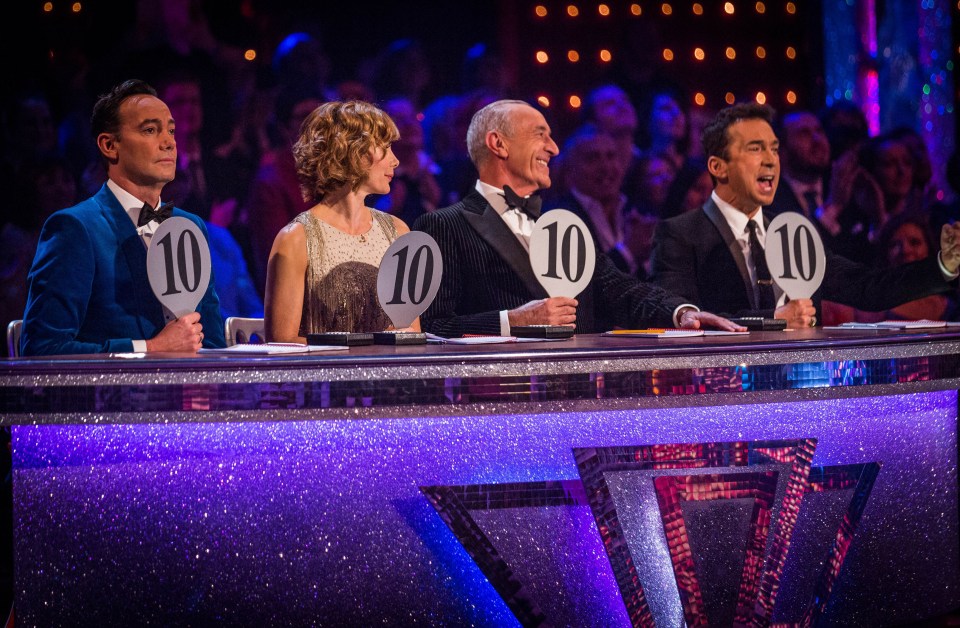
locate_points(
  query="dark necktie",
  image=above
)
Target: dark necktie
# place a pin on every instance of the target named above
(810, 198)
(766, 300)
(160, 214)
(530, 205)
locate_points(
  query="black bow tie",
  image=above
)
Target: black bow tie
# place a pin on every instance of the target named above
(160, 214)
(530, 205)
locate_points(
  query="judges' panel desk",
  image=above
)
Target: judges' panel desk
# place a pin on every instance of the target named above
(778, 477)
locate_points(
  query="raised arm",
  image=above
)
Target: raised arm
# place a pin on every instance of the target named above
(283, 298)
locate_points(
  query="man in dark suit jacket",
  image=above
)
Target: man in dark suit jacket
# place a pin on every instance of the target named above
(704, 255)
(488, 284)
(89, 291)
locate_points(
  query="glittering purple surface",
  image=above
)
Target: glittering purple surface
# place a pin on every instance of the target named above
(323, 522)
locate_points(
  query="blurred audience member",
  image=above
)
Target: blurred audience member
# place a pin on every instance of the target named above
(402, 70)
(29, 130)
(275, 197)
(664, 126)
(689, 190)
(593, 176)
(300, 62)
(653, 177)
(923, 191)
(44, 185)
(846, 127)
(215, 185)
(804, 162)
(608, 109)
(414, 189)
(903, 239)
(445, 126)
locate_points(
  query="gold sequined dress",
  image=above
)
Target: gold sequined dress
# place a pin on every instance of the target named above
(340, 288)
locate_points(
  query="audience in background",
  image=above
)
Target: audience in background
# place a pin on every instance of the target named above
(414, 189)
(592, 177)
(804, 162)
(689, 189)
(275, 196)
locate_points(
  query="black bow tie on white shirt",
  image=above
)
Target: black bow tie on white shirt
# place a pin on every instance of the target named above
(530, 205)
(159, 214)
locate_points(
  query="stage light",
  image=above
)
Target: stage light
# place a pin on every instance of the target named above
(544, 101)
(605, 55)
(635, 9)
(667, 54)
(250, 54)
(542, 57)
(540, 10)
(666, 9)
(698, 54)
(730, 98)
(572, 10)
(761, 8)
(731, 53)
(76, 7)
(604, 10)
(697, 8)
(761, 52)
(47, 7)
(573, 56)
(791, 52)
(700, 99)
(761, 98)
(792, 97)
(575, 101)
(791, 8)
(728, 8)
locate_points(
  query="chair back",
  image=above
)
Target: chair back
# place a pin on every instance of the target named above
(240, 330)
(13, 337)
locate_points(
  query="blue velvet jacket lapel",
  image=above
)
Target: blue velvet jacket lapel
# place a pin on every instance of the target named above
(134, 252)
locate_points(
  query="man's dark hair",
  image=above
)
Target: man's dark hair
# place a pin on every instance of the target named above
(106, 111)
(715, 138)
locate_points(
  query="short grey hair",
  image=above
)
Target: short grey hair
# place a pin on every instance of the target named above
(493, 117)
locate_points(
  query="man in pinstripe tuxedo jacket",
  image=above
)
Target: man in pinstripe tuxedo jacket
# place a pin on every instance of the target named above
(488, 284)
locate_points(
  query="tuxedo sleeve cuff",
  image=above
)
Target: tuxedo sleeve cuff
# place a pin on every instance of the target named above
(943, 269)
(680, 309)
(504, 323)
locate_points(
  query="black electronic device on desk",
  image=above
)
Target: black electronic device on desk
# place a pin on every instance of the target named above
(758, 323)
(399, 338)
(341, 338)
(542, 331)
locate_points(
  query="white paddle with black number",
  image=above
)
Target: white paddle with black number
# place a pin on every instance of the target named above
(795, 255)
(407, 284)
(178, 265)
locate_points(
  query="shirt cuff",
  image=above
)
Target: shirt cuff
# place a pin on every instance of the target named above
(943, 269)
(139, 346)
(680, 308)
(504, 323)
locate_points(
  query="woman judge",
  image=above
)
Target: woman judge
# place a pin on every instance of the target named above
(322, 269)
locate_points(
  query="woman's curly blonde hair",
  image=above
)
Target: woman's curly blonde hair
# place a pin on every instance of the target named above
(335, 143)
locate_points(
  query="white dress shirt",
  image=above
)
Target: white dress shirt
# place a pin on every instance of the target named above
(132, 205)
(737, 221)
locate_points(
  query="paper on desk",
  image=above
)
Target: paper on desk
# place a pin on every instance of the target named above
(918, 324)
(271, 348)
(470, 340)
(654, 333)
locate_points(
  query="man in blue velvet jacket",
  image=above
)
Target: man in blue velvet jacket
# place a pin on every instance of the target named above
(88, 286)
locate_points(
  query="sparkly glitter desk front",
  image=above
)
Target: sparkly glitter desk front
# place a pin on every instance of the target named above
(777, 477)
